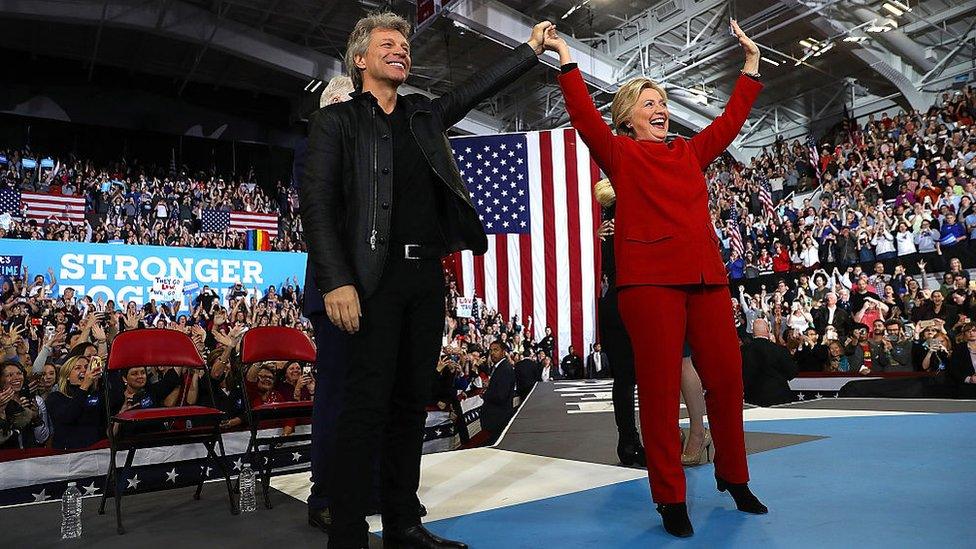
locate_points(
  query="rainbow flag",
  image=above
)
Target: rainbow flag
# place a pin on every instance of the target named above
(258, 239)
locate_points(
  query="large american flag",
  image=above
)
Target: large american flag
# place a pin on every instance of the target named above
(40, 206)
(534, 193)
(217, 221)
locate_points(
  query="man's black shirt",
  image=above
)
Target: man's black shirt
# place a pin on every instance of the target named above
(417, 196)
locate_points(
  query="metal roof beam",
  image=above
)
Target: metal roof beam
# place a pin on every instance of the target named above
(188, 23)
(896, 41)
(653, 23)
(933, 21)
(510, 28)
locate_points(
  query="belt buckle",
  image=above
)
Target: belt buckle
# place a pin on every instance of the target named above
(407, 251)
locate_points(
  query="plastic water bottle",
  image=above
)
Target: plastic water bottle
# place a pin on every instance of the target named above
(246, 480)
(71, 512)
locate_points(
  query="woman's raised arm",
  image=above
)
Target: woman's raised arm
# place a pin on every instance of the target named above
(584, 116)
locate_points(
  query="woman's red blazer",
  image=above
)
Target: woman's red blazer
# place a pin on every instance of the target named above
(664, 234)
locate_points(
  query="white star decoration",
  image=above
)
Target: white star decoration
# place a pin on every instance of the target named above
(133, 482)
(91, 489)
(240, 462)
(171, 475)
(42, 496)
(205, 471)
(493, 160)
(818, 395)
(801, 396)
(295, 456)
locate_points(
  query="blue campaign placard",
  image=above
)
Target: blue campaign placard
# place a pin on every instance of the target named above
(126, 273)
(10, 266)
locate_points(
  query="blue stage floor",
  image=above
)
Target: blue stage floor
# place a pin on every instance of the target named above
(884, 481)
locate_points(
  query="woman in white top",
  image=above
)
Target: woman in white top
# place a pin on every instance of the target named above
(904, 240)
(800, 319)
(810, 253)
(883, 241)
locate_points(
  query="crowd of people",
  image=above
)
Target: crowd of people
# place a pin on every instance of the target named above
(54, 343)
(888, 188)
(892, 194)
(136, 204)
(842, 278)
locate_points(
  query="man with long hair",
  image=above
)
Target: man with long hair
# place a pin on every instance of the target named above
(377, 225)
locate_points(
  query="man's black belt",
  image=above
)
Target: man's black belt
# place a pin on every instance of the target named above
(405, 250)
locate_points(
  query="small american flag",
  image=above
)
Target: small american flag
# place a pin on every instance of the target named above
(735, 236)
(216, 221)
(765, 197)
(534, 193)
(814, 155)
(41, 207)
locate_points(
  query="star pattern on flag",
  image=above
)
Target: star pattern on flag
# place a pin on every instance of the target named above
(238, 464)
(133, 483)
(818, 396)
(171, 475)
(215, 221)
(91, 489)
(9, 201)
(497, 177)
(295, 456)
(41, 496)
(801, 396)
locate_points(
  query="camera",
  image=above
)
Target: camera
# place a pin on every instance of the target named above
(307, 370)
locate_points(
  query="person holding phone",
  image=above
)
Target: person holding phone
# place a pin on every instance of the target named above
(23, 416)
(297, 383)
(76, 409)
(931, 351)
(137, 391)
(673, 286)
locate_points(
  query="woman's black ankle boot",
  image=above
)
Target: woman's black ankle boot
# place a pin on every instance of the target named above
(745, 500)
(675, 519)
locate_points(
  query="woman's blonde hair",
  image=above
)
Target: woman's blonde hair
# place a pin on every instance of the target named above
(604, 193)
(359, 38)
(625, 99)
(64, 372)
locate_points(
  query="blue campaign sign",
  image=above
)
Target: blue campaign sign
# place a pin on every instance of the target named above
(123, 272)
(10, 265)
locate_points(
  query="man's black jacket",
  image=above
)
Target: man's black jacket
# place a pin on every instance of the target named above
(346, 191)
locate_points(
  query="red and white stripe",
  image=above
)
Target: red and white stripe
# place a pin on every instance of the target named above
(551, 273)
(245, 221)
(41, 207)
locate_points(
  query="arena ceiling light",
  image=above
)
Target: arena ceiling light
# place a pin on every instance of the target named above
(896, 8)
(772, 62)
(313, 85)
(824, 49)
(573, 9)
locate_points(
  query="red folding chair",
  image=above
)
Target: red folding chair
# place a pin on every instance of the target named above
(273, 343)
(155, 347)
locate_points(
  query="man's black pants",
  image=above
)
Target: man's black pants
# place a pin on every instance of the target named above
(616, 343)
(391, 364)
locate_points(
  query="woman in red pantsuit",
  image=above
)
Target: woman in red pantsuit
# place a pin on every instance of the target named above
(672, 281)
